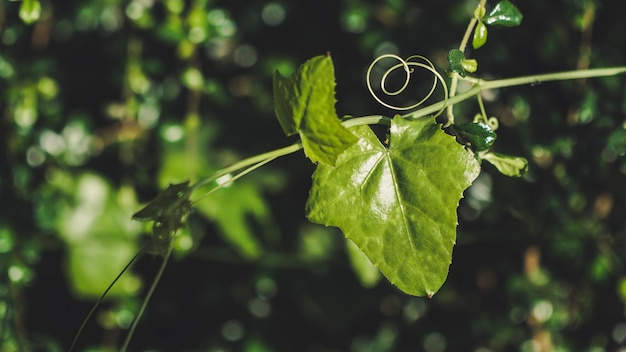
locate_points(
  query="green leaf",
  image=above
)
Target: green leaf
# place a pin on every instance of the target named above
(305, 104)
(470, 65)
(366, 272)
(504, 14)
(30, 11)
(398, 204)
(168, 211)
(235, 209)
(455, 60)
(480, 35)
(92, 219)
(512, 166)
(477, 134)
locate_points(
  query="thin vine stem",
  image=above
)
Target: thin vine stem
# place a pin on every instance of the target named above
(248, 162)
(481, 85)
(97, 304)
(153, 286)
(236, 177)
(254, 162)
(481, 106)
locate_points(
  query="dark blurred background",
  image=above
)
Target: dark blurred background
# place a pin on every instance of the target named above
(105, 102)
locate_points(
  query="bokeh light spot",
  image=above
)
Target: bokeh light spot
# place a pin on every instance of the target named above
(35, 157)
(6, 240)
(245, 55)
(52, 142)
(619, 333)
(435, 342)
(542, 311)
(273, 14)
(232, 330)
(260, 308)
(265, 288)
(414, 309)
(173, 133)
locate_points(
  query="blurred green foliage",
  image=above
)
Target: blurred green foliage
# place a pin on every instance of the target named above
(106, 102)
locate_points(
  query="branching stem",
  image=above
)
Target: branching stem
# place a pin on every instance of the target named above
(455, 76)
(480, 85)
(260, 158)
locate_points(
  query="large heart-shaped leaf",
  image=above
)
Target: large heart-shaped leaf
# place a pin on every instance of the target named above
(398, 204)
(305, 104)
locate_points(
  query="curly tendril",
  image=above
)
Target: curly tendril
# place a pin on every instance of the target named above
(409, 67)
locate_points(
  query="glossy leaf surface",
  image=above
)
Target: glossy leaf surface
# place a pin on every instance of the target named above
(305, 104)
(479, 135)
(480, 35)
(504, 14)
(398, 204)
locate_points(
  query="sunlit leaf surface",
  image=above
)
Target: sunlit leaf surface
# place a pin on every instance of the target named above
(398, 204)
(305, 104)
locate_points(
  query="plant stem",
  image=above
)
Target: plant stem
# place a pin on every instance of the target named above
(153, 286)
(481, 85)
(93, 309)
(367, 120)
(462, 46)
(236, 177)
(260, 158)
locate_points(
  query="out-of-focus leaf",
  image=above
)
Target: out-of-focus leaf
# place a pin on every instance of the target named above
(513, 166)
(100, 236)
(30, 11)
(365, 271)
(239, 210)
(398, 204)
(233, 208)
(504, 14)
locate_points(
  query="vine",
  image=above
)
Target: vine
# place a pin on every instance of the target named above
(396, 200)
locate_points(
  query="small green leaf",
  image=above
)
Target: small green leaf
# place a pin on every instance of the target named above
(480, 35)
(512, 166)
(470, 65)
(479, 12)
(455, 59)
(168, 211)
(305, 104)
(477, 134)
(504, 14)
(30, 11)
(398, 204)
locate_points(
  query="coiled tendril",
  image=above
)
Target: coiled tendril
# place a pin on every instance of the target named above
(408, 65)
